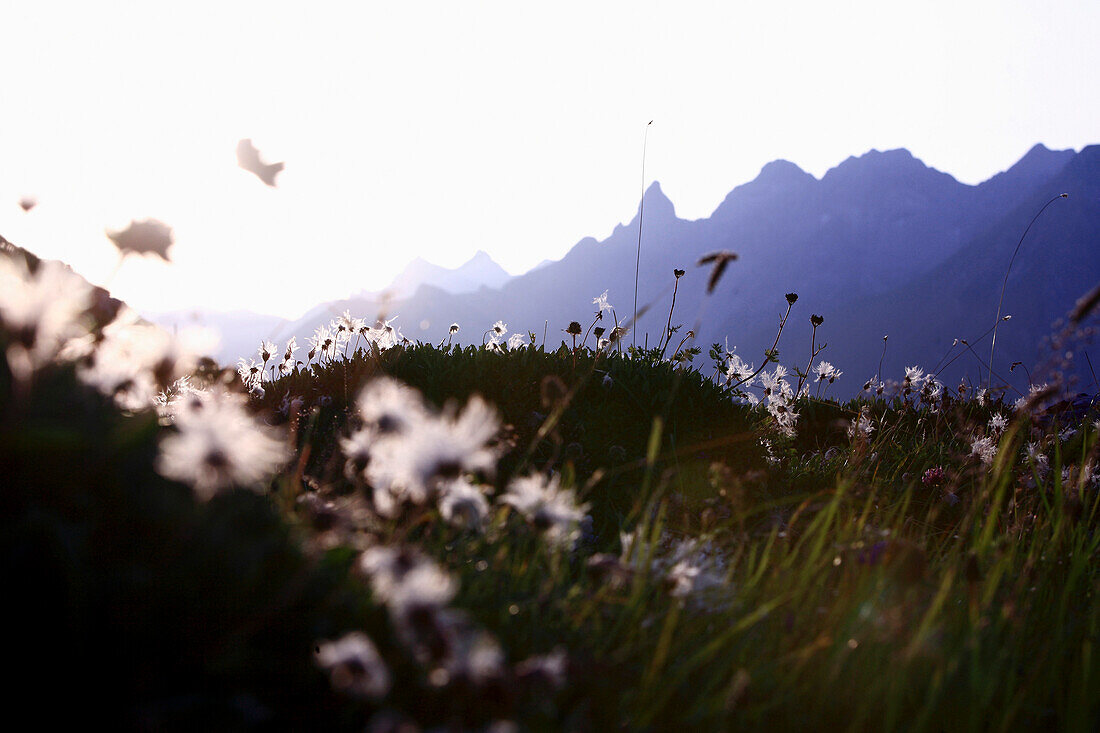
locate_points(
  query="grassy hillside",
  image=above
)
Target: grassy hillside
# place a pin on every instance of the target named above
(383, 533)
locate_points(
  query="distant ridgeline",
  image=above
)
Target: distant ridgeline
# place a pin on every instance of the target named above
(880, 245)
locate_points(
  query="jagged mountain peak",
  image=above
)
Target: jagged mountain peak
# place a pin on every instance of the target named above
(657, 203)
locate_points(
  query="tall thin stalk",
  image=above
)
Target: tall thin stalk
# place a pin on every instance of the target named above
(638, 258)
(1000, 302)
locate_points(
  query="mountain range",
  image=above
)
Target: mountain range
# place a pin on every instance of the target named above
(881, 245)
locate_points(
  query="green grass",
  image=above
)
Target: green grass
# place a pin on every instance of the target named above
(854, 596)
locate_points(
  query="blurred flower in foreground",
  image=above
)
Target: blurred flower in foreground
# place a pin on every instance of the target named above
(27, 203)
(136, 360)
(42, 311)
(248, 158)
(407, 581)
(355, 666)
(547, 506)
(218, 444)
(144, 237)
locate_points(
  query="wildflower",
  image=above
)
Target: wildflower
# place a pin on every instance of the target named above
(1038, 458)
(322, 343)
(354, 666)
(933, 477)
(42, 311)
(266, 350)
(406, 581)
(144, 237)
(463, 504)
(515, 341)
(785, 417)
(248, 158)
(136, 360)
(287, 364)
(500, 328)
(417, 453)
(574, 328)
(170, 400)
(914, 375)
(932, 388)
(826, 372)
(816, 320)
(738, 371)
(345, 326)
(388, 406)
(861, 424)
(607, 381)
(775, 385)
(454, 329)
(385, 336)
(250, 372)
(550, 668)
(472, 655)
(547, 506)
(691, 569)
(357, 450)
(998, 423)
(792, 298)
(218, 444)
(984, 448)
(601, 303)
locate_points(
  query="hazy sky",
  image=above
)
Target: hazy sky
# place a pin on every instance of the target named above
(437, 129)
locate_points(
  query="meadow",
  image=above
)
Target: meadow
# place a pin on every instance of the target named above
(363, 532)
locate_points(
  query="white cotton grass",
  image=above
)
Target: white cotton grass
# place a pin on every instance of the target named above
(738, 372)
(407, 453)
(136, 360)
(175, 397)
(548, 507)
(42, 310)
(984, 448)
(354, 666)
(462, 503)
(861, 426)
(693, 570)
(826, 372)
(217, 444)
(406, 581)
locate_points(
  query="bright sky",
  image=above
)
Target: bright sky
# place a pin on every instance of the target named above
(437, 129)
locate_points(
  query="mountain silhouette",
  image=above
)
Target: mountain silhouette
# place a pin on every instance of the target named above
(880, 244)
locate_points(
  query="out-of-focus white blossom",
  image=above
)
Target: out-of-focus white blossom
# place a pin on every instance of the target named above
(41, 311)
(354, 666)
(548, 507)
(218, 444)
